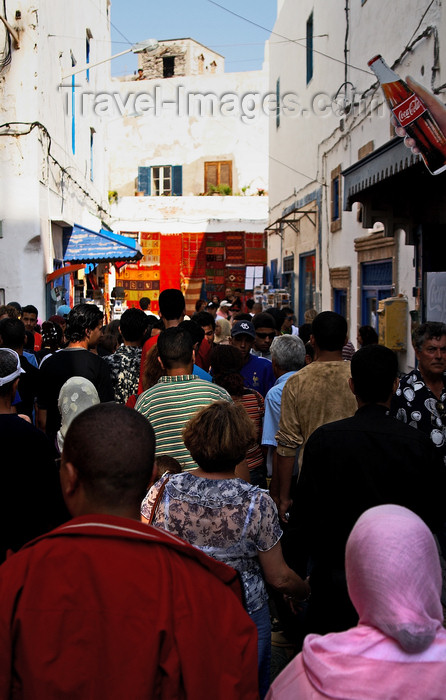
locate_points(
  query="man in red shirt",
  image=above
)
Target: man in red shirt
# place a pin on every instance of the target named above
(107, 607)
(29, 318)
(172, 311)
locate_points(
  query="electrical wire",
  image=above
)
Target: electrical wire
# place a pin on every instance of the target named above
(421, 20)
(292, 41)
(43, 129)
(108, 18)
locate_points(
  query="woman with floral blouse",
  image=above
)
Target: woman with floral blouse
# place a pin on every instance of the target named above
(225, 516)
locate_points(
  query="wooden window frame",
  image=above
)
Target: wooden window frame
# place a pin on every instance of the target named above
(217, 163)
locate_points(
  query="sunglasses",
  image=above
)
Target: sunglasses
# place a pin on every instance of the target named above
(262, 336)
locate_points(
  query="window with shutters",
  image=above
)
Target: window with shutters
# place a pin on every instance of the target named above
(309, 48)
(161, 180)
(336, 202)
(217, 176)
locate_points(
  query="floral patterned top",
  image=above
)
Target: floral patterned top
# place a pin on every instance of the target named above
(124, 367)
(415, 404)
(228, 519)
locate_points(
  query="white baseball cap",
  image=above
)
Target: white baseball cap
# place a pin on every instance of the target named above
(18, 370)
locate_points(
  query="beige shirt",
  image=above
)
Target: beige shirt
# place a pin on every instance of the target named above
(319, 393)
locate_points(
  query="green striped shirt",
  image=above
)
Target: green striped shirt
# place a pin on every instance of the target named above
(170, 404)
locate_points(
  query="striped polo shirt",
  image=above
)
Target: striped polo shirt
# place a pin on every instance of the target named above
(170, 404)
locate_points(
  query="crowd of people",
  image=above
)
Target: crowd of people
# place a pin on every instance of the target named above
(174, 483)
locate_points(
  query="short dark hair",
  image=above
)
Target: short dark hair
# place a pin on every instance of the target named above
(15, 305)
(29, 341)
(114, 466)
(242, 316)
(144, 303)
(329, 330)
(309, 350)
(374, 369)
(368, 335)
(172, 304)
(277, 314)
(82, 317)
(199, 304)
(195, 331)
(133, 324)
(226, 364)
(264, 320)
(427, 331)
(12, 332)
(30, 309)
(305, 332)
(250, 303)
(166, 463)
(204, 318)
(175, 347)
(219, 435)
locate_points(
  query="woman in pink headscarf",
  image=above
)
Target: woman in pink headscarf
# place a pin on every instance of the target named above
(398, 649)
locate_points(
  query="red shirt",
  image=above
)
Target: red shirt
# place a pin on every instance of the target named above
(37, 341)
(145, 349)
(107, 607)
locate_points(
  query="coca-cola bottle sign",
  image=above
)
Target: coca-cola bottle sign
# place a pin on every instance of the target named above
(409, 110)
(412, 114)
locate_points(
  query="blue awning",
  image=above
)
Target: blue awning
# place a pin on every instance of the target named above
(85, 246)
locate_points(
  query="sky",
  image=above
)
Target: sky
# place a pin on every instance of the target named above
(241, 43)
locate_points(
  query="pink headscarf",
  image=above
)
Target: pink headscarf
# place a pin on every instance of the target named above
(398, 649)
(394, 576)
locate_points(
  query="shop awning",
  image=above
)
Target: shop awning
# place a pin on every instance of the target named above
(61, 271)
(82, 245)
(292, 217)
(383, 163)
(394, 188)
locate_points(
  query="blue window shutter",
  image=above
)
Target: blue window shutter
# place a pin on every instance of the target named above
(177, 180)
(309, 48)
(144, 180)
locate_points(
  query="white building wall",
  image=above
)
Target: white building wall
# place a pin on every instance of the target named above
(187, 121)
(35, 190)
(318, 137)
(172, 215)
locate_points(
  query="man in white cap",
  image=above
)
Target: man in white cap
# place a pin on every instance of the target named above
(32, 500)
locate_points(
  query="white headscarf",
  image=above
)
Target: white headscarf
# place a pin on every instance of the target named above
(225, 330)
(75, 396)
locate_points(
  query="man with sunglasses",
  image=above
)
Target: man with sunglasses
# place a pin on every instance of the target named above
(265, 327)
(420, 399)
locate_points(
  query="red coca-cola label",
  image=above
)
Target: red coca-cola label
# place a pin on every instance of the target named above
(409, 110)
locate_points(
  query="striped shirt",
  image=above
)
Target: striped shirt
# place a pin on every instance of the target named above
(254, 406)
(170, 404)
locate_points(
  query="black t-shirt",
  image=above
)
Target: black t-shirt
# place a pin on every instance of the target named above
(28, 384)
(31, 500)
(57, 369)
